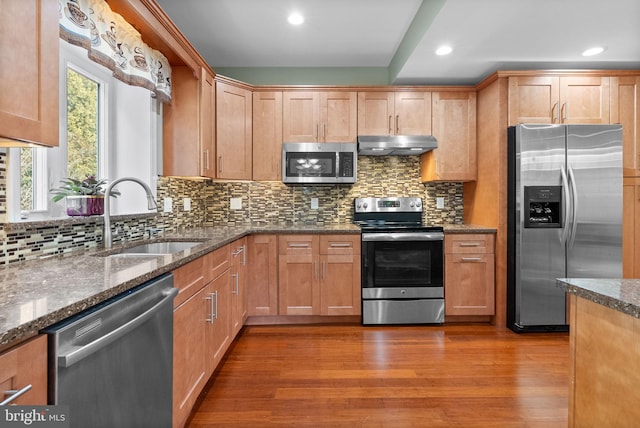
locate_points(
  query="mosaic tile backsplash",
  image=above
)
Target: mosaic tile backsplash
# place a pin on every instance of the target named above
(262, 203)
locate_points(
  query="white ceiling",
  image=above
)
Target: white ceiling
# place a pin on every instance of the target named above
(486, 35)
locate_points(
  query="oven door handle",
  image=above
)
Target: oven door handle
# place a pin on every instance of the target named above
(403, 236)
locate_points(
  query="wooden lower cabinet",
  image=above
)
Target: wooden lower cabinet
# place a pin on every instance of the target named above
(262, 275)
(469, 284)
(23, 365)
(631, 227)
(319, 274)
(238, 285)
(201, 327)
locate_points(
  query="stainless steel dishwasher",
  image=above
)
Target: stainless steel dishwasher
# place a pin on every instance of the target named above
(113, 364)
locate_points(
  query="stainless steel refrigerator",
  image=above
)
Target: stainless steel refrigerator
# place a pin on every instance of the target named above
(565, 216)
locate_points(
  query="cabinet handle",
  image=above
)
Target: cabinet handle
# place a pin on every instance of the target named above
(213, 306)
(471, 259)
(469, 244)
(13, 394)
(390, 125)
(220, 164)
(317, 132)
(244, 256)
(296, 245)
(206, 159)
(315, 269)
(565, 111)
(324, 269)
(340, 244)
(557, 113)
(397, 124)
(235, 277)
(324, 130)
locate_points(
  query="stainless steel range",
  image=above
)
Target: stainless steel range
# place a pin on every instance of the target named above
(402, 262)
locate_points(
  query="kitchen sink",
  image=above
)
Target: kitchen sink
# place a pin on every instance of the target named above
(152, 249)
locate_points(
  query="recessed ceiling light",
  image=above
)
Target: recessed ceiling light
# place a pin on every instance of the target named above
(444, 50)
(594, 51)
(295, 19)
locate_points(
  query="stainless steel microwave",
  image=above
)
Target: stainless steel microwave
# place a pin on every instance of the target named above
(319, 163)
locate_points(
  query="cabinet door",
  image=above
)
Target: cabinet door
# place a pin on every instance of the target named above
(190, 367)
(218, 319)
(300, 117)
(207, 125)
(454, 126)
(181, 153)
(340, 275)
(233, 132)
(262, 275)
(29, 76)
(625, 109)
(338, 117)
(631, 228)
(267, 136)
(470, 284)
(412, 113)
(584, 99)
(376, 113)
(298, 272)
(534, 99)
(238, 285)
(24, 365)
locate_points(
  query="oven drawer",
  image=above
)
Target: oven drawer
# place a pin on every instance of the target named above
(406, 311)
(469, 243)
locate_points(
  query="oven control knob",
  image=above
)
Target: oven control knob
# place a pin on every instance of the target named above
(418, 204)
(365, 205)
(403, 292)
(412, 204)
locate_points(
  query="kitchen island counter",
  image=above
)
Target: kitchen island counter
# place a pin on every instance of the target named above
(604, 351)
(37, 293)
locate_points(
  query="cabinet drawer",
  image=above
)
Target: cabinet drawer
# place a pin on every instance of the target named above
(216, 262)
(469, 243)
(24, 365)
(188, 279)
(339, 244)
(297, 244)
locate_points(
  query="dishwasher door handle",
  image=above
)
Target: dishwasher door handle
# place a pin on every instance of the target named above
(83, 352)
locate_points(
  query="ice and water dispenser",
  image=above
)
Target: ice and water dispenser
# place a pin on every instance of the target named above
(543, 206)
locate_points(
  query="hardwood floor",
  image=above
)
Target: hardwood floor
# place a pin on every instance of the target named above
(423, 376)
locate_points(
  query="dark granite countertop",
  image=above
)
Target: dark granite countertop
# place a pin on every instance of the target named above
(467, 228)
(619, 294)
(38, 293)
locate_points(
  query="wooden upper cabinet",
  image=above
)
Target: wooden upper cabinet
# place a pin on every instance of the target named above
(267, 136)
(394, 113)
(625, 109)
(234, 146)
(412, 113)
(558, 99)
(207, 125)
(189, 125)
(319, 117)
(454, 127)
(29, 72)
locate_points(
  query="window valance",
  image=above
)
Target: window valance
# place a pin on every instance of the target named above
(114, 43)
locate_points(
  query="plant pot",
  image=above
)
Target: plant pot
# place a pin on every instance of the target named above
(85, 205)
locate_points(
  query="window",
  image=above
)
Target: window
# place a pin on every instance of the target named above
(107, 129)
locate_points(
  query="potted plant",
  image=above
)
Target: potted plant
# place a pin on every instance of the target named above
(83, 197)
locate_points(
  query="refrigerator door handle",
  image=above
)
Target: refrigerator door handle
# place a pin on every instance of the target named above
(565, 189)
(574, 207)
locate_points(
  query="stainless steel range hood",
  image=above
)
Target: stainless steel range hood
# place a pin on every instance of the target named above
(395, 145)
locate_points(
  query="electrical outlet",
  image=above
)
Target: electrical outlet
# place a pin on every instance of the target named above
(314, 203)
(235, 203)
(440, 203)
(168, 204)
(186, 202)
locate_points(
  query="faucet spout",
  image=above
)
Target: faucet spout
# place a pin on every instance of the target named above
(151, 203)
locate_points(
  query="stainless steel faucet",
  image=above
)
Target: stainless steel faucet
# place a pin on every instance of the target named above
(152, 205)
